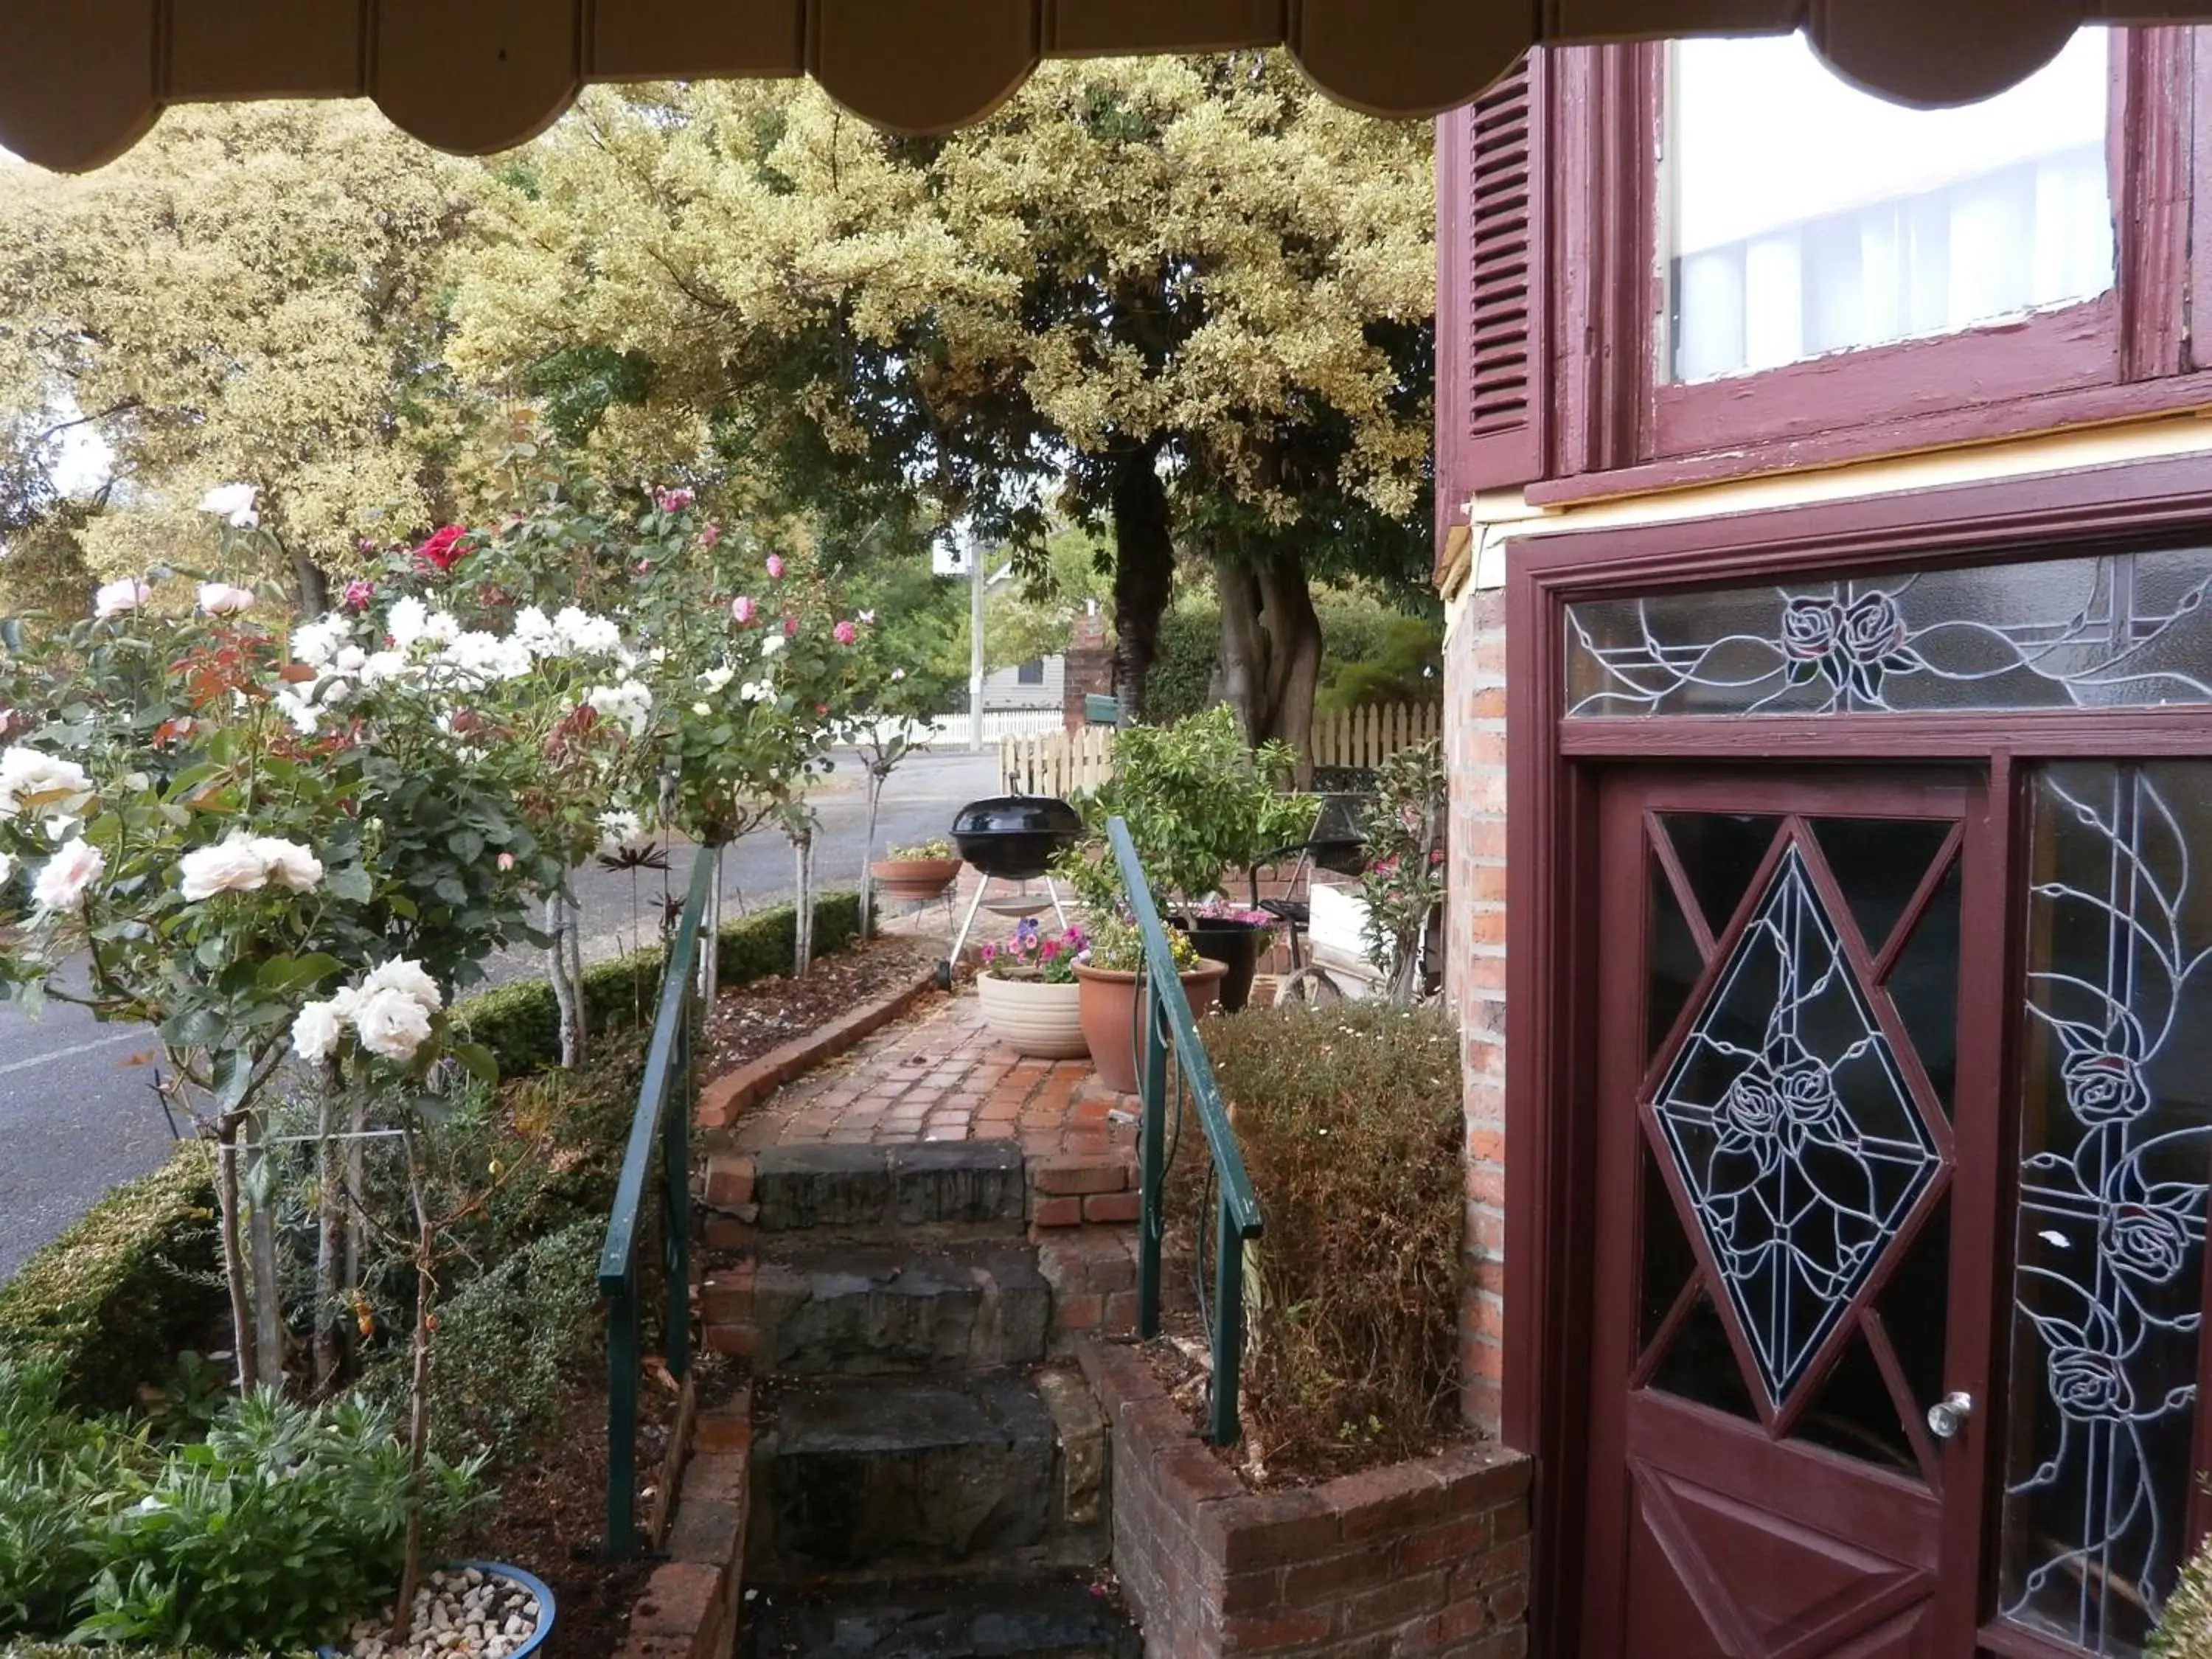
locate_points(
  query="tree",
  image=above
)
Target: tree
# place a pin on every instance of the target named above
(1155, 288)
(254, 294)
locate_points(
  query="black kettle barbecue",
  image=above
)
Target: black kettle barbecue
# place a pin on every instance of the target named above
(1011, 838)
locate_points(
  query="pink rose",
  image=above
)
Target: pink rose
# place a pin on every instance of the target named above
(645, 566)
(743, 610)
(358, 594)
(506, 860)
(710, 535)
(443, 550)
(844, 632)
(775, 566)
(673, 501)
(790, 624)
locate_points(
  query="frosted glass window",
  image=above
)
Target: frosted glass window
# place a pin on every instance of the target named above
(1803, 216)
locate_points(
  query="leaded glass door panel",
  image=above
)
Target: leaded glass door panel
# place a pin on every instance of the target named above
(1796, 1071)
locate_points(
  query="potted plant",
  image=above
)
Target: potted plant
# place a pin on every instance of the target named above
(1235, 937)
(1027, 986)
(919, 871)
(1112, 1002)
(1199, 805)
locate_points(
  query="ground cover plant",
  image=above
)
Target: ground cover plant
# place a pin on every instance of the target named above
(1349, 1119)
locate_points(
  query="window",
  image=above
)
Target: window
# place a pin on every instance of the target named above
(1802, 217)
(1030, 673)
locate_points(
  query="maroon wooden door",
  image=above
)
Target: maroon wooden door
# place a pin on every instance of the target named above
(1798, 1076)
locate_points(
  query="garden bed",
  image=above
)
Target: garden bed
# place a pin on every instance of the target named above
(760, 1016)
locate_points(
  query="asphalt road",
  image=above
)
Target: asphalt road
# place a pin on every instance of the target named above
(76, 1116)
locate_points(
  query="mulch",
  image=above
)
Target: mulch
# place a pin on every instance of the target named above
(763, 1014)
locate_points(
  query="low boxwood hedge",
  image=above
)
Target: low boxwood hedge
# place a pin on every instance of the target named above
(134, 1277)
(137, 1276)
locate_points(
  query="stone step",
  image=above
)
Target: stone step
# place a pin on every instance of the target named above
(1061, 1617)
(892, 1475)
(857, 1310)
(848, 1191)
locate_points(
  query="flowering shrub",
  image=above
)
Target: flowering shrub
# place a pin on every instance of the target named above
(1032, 953)
(1403, 883)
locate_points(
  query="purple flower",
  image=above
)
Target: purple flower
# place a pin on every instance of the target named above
(358, 592)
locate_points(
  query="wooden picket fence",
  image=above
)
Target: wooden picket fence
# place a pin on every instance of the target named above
(1061, 762)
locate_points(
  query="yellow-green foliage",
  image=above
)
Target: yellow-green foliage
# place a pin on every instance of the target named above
(2185, 1630)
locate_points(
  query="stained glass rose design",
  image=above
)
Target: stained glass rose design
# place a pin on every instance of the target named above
(1811, 628)
(2089, 1386)
(1751, 1109)
(1871, 630)
(2103, 1088)
(1807, 1094)
(2145, 1241)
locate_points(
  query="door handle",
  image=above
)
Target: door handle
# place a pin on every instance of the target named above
(1949, 1415)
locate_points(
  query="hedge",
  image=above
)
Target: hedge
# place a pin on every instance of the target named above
(135, 1276)
(520, 1022)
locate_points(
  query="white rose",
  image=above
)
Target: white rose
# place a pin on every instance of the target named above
(51, 786)
(407, 620)
(441, 628)
(350, 660)
(317, 1030)
(114, 598)
(617, 831)
(222, 599)
(288, 864)
(233, 502)
(61, 885)
(393, 1025)
(771, 645)
(7, 869)
(314, 643)
(231, 866)
(715, 678)
(409, 979)
(702, 709)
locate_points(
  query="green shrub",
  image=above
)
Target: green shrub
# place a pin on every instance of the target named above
(1349, 1119)
(1180, 681)
(510, 1343)
(133, 1277)
(2184, 1630)
(520, 1022)
(284, 1522)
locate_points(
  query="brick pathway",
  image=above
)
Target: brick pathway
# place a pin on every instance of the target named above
(939, 1076)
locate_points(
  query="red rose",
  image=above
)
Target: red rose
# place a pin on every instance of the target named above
(443, 550)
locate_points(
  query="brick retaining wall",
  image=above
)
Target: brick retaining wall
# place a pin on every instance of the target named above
(1425, 1558)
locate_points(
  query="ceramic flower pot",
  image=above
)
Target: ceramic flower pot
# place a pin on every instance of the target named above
(1110, 1015)
(1237, 946)
(914, 878)
(1032, 1016)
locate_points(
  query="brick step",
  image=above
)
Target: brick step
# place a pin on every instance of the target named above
(870, 1478)
(1044, 1617)
(869, 1310)
(852, 1191)
(1068, 1190)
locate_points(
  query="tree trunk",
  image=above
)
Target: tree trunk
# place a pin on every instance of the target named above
(234, 1252)
(565, 994)
(710, 925)
(268, 1279)
(330, 1237)
(312, 587)
(802, 921)
(876, 781)
(418, 1396)
(1143, 574)
(1271, 646)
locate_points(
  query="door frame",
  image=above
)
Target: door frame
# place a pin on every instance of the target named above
(1551, 766)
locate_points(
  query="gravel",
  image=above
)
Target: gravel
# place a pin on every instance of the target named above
(459, 1611)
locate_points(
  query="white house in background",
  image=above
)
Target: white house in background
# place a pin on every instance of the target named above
(1035, 683)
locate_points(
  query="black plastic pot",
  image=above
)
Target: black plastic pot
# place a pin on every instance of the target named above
(1236, 945)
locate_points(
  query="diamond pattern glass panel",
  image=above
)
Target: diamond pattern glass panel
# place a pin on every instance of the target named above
(1793, 1133)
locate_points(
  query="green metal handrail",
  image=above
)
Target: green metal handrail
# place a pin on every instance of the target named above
(1236, 1218)
(662, 1125)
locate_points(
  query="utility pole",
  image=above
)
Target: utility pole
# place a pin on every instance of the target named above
(975, 650)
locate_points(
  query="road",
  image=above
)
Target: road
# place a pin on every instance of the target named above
(76, 1116)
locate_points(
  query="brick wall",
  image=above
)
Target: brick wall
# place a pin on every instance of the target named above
(1425, 1558)
(1475, 973)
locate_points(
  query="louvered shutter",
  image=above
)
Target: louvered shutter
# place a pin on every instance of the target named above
(1491, 303)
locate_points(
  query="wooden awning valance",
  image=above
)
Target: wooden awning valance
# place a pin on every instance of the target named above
(82, 79)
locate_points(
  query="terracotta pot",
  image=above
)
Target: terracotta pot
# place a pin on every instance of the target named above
(1109, 1017)
(914, 878)
(1033, 1018)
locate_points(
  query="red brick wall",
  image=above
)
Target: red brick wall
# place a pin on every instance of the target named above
(1425, 1558)
(1475, 973)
